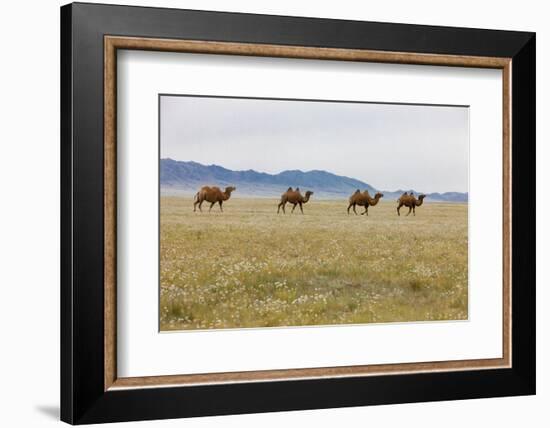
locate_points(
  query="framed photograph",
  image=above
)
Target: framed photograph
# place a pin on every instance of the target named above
(265, 213)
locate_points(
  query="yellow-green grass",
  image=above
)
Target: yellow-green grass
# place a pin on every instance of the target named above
(249, 267)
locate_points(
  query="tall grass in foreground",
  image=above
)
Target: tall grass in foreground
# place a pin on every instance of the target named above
(249, 267)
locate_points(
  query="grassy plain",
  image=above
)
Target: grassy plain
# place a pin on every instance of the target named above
(249, 267)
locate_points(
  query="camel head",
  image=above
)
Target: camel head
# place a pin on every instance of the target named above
(230, 189)
(378, 195)
(420, 200)
(308, 194)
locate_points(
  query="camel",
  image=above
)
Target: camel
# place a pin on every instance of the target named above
(363, 200)
(371, 202)
(293, 197)
(409, 201)
(212, 195)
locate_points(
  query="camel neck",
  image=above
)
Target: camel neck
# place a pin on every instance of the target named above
(374, 201)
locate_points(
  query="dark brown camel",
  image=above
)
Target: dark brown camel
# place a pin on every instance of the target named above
(409, 201)
(212, 195)
(363, 200)
(293, 197)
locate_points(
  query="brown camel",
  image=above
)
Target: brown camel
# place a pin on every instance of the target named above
(212, 195)
(371, 202)
(363, 200)
(409, 201)
(293, 197)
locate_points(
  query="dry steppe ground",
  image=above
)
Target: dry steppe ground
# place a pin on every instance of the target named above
(249, 267)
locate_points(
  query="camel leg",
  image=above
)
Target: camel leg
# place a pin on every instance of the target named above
(414, 211)
(200, 206)
(195, 202)
(354, 209)
(398, 208)
(366, 210)
(410, 208)
(301, 208)
(221, 202)
(349, 206)
(293, 207)
(211, 205)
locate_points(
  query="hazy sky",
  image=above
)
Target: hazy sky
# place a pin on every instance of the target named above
(386, 145)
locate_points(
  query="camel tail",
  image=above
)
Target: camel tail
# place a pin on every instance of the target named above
(196, 198)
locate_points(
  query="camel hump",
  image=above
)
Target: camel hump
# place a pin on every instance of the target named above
(357, 191)
(289, 189)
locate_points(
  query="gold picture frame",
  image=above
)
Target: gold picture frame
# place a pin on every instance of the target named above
(114, 43)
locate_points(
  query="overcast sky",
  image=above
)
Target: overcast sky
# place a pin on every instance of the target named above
(386, 145)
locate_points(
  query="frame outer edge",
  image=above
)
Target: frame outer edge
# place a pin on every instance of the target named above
(524, 219)
(83, 397)
(66, 226)
(298, 30)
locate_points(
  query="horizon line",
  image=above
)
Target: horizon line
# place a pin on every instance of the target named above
(312, 170)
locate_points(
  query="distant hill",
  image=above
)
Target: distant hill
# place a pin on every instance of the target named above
(184, 177)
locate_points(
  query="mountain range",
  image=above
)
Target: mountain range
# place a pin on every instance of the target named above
(185, 177)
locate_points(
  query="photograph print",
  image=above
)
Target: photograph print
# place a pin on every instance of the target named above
(289, 212)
